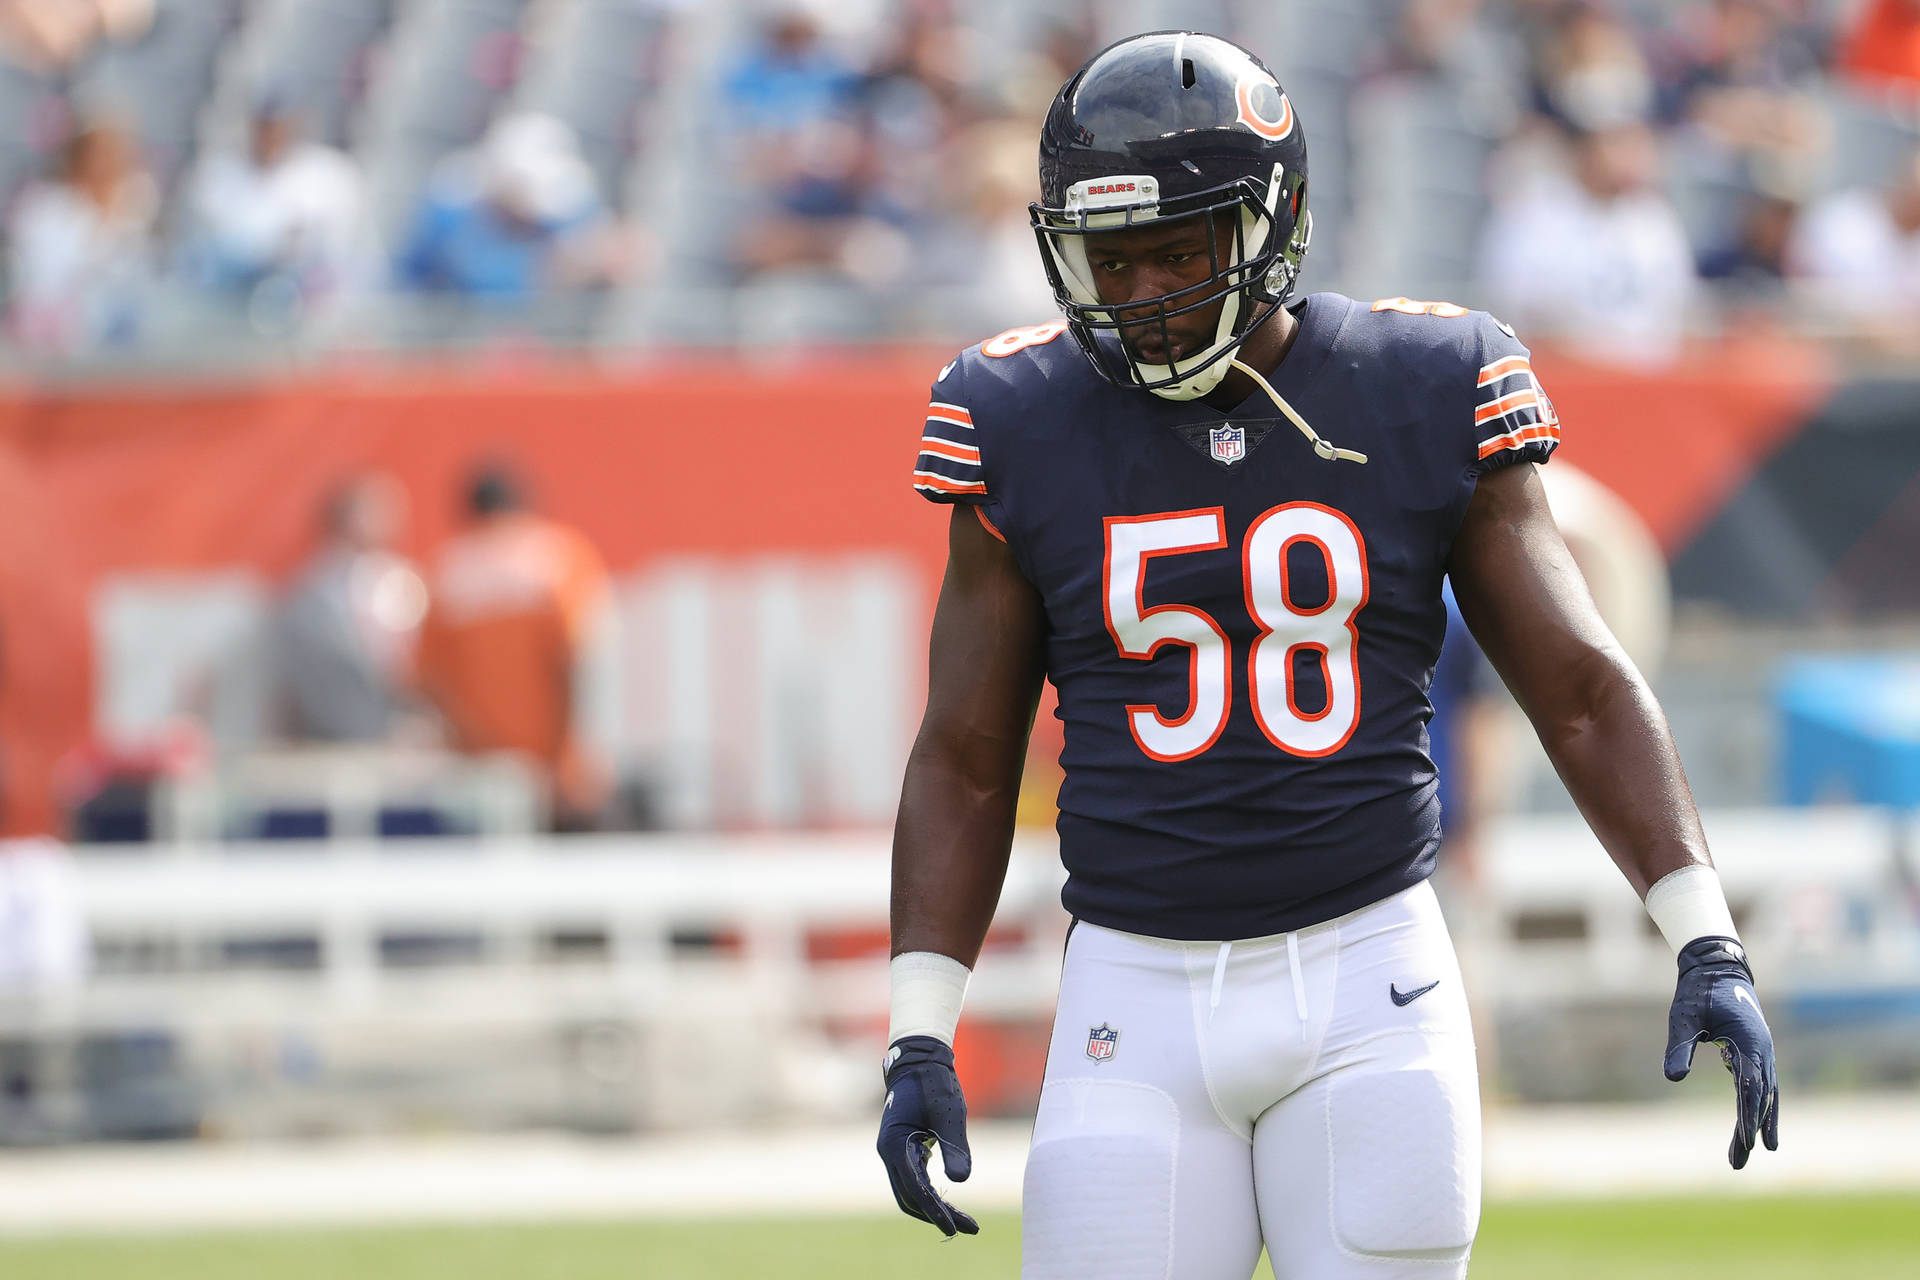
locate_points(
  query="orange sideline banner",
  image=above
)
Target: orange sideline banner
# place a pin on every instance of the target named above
(701, 456)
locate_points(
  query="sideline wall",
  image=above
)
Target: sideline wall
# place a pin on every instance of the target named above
(704, 458)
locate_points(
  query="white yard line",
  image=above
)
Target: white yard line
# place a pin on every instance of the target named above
(1870, 1143)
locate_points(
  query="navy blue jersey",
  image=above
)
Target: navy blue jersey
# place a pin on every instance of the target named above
(1242, 632)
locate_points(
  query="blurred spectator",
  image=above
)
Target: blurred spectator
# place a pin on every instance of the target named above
(1026, 79)
(346, 631)
(285, 210)
(1429, 35)
(853, 155)
(58, 33)
(1751, 266)
(809, 159)
(1492, 53)
(1883, 49)
(819, 210)
(1449, 36)
(45, 952)
(43, 932)
(1859, 252)
(914, 106)
(80, 260)
(518, 605)
(789, 80)
(1590, 72)
(986, 249)
(1600, 257)
(517, 216)
(1742, 82)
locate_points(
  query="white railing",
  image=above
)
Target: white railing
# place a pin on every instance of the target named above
(1827, 890)
(1824, 897)
(631, 894)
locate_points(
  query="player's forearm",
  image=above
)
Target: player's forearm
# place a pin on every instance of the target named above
(950, 849)
(1611, 745)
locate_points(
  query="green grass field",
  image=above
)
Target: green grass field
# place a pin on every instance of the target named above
(1805, 1238)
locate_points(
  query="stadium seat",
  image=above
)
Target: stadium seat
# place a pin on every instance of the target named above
(445, 69)
(318, 53)
(1419, 160)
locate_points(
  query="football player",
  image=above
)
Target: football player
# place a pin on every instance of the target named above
(1219, 521)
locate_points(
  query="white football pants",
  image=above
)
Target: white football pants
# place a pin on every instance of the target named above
(1302, 1090)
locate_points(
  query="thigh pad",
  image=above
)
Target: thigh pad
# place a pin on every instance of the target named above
(1405, 1160)
(1101, 1169)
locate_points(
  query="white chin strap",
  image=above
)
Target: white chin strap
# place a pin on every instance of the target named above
(1321, 445)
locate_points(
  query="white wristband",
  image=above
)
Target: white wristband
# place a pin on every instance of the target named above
(1688, 904)
(927, 990)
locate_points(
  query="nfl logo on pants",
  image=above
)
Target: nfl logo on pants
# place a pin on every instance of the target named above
(1100, 1042)
(1228, 443)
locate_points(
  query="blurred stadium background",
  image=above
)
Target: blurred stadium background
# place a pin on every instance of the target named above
(462, 608)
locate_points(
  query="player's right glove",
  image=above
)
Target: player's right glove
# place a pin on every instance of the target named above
(925, 1106)
(1715, 1001)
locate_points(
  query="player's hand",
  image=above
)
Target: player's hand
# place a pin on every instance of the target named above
(924, 1106)
(1715, 1001)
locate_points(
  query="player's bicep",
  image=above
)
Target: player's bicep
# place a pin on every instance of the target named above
(987, 658)
(1521, 593)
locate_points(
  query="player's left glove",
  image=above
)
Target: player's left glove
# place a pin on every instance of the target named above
(924, 1106)
(1715, 1001)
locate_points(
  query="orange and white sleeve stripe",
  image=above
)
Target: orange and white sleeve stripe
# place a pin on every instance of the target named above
(1514, 412)
(948, 466)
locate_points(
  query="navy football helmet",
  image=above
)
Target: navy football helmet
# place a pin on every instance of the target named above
(1173, 124)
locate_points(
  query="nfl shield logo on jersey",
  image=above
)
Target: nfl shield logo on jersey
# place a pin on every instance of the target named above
(1100, 1042)
(1229, 443)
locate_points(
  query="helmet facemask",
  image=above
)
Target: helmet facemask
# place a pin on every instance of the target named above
(1253, 266)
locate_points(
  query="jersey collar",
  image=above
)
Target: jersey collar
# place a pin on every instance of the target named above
(1321, 317)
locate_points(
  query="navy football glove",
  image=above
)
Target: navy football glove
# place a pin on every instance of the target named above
(1715, 1001)
(924, 1106)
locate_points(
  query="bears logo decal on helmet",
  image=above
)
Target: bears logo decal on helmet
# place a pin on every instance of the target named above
(1251, 94)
